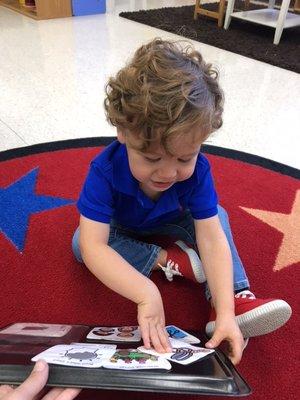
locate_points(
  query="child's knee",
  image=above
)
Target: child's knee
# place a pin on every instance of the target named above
(75, 246)
(222, 212)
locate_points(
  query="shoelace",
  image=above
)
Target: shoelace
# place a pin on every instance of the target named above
(245, 294)
(170, 270)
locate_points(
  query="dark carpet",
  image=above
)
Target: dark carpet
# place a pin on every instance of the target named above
(244, 38)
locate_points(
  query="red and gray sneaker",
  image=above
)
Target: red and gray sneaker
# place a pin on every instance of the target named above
(254, 316)
(183, 261)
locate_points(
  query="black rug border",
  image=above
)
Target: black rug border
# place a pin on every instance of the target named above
(106, 140)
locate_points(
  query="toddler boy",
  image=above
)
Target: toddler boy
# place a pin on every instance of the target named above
(154, 180)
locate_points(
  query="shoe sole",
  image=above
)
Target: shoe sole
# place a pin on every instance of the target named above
(246, 341)
(195, 261)
(260, 321)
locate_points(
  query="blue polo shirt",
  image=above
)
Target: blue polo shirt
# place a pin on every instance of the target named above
(111, 191)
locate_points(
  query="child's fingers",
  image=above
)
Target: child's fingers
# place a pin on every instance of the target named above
(144, 327)
(162, 344)
(164, 339)
(155, 339)
(236, 350)
(155, 336)
(214, 341)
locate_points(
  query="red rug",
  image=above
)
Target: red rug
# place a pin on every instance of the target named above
(41, 282)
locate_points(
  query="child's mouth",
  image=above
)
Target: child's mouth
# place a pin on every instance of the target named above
(162, 185)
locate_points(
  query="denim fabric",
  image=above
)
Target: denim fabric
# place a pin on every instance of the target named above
(142, 256)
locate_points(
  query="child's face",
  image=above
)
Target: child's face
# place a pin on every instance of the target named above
(155, 169)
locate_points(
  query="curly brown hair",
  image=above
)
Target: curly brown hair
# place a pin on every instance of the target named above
(165, 90)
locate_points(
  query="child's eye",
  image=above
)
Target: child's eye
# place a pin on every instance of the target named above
(184, 161)
(153, 160)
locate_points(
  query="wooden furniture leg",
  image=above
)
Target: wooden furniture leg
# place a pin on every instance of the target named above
(247, 3)
(222, 6)
(219, 15)
(197, 8)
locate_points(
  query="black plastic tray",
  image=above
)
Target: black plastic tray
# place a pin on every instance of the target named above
(213, 375)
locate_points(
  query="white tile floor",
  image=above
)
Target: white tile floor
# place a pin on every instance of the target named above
(52, 75)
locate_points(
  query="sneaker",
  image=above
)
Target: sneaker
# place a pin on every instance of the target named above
(246, 341)
(183, 261)
(254, 316)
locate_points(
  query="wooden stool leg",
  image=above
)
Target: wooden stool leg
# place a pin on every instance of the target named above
(221, 13)
(197, 8)
(247, 2)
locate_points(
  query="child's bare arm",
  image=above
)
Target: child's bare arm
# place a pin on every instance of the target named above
(117, 274)
(216, 258)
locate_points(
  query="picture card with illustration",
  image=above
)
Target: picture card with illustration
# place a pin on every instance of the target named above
(133, 359)
(183, 353)
(178, 333)
(36, 329)
(77, 355)
(115, 334)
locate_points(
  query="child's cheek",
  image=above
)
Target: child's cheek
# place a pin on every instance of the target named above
(143, 173)
(187, 173)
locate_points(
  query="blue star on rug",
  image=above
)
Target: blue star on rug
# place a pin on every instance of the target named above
(18, 201)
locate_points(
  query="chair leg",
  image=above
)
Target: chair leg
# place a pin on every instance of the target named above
(229, 10)
(247, 3)
(281, 19)
(221, 13)
(197, 6)
(271, 4)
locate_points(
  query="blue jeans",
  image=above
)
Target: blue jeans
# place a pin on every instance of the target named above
(142, 256)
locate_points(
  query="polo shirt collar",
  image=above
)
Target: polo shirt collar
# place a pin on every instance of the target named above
(123, 180)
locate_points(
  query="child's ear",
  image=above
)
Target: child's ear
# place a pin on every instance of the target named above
(121, 136)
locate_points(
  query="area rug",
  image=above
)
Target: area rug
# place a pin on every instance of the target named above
(41, 281)
(244, 38)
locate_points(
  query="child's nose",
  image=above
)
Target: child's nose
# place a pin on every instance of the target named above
(167, 173)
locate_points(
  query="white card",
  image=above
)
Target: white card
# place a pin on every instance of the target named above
(77, 355)
(183, 353)
(35, 329)
(179, 334)
(132, 359)
(115, 334)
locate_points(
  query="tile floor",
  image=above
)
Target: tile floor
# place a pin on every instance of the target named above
(52, 75)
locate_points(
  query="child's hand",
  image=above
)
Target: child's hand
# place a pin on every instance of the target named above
(227, 329)
(151, 319)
